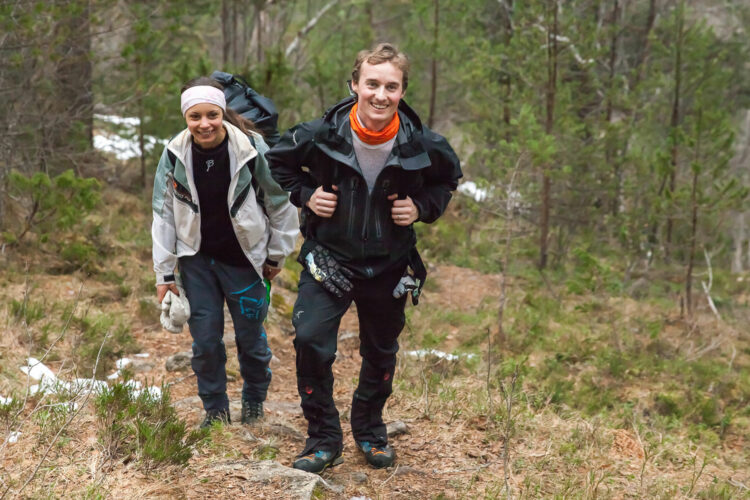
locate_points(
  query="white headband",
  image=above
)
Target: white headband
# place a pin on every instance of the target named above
(200, 94)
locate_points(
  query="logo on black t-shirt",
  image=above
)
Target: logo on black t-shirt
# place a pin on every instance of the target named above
(209, 164)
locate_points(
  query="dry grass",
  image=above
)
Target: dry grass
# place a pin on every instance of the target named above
(455, 446)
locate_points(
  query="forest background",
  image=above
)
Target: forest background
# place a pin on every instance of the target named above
(605, 147)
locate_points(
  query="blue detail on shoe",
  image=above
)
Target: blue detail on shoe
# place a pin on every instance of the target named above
(318, 461)
(365, 446)
(377, 456)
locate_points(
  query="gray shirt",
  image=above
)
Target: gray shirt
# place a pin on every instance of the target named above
(371, 157)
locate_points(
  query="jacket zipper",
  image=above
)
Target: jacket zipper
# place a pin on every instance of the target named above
(350, 230)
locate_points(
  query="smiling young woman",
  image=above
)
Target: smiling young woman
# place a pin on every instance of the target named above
(204, 121)
(225, 240)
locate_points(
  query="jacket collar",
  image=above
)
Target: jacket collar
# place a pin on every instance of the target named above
(334, 137)
(240, 148)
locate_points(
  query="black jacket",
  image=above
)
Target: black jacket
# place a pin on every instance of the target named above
(361, 233)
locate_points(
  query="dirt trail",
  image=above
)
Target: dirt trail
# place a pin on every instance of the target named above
(433, 457)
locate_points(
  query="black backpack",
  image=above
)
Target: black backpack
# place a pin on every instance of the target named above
(251, 105)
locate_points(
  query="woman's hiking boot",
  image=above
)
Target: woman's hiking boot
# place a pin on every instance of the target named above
(215, 416)
(318, 461)
(251, 412)
(377, 456)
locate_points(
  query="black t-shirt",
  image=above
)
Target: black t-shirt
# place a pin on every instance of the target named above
(212, 177)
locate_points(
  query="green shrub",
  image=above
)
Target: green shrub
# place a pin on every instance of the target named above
(50, 420)
(267, 451)
(591, 275)
(79, 254)
(9, 409)
(94, 330)
(27, 310)
(53, 204)
(145, 427)
(668, 406)
(148, 310)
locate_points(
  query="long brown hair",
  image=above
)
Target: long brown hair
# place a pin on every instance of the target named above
(230, 115)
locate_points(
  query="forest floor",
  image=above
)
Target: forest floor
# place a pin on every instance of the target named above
(615, 396)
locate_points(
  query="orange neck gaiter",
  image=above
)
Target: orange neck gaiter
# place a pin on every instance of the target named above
(369, 136)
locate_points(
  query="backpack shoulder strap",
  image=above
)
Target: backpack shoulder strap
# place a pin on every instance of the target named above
(259, 195)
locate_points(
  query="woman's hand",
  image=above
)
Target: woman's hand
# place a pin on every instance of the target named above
(322, 203)
(403, 212)
(270, 272)
(161, 290)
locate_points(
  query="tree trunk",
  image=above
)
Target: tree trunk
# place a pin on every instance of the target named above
(693, 235)
(259, 31)
(369, 11)
(141, 117)
(694, 215)
(235, 35)
(675, 121)
(738, 235)
(645, 43)
(226, 33)
(507, 82)
(610, 145)
(75, 99)
(433, 78)
(552, 29)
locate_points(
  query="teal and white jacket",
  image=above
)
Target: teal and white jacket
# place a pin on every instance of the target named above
(267, 232)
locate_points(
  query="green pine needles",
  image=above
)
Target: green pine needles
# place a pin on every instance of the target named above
(143, 427)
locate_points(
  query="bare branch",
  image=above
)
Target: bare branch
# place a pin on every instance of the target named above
(309, 26)
(707, 286)
(65, 425)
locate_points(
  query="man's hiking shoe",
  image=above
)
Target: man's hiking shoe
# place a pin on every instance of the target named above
(318, 461)
(251, 412)
(377, 456)
(215, 416)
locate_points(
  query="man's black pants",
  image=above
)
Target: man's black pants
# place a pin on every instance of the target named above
(316, 317)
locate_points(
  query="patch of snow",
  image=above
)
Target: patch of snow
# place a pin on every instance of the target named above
(133, 384)
(122, 363)
(5, 401)
(129, 121)
(141, 355)
(83, 385)
(13, 437)
(438, 354)
(37, 370)
(49, 383)
(470, 188)
(54, 386)
(123, 147)
(153, 391)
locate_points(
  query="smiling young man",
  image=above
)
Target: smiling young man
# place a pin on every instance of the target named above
(362, 174)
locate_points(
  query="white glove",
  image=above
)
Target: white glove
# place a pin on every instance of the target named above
(175, 311)
(405, 285)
